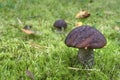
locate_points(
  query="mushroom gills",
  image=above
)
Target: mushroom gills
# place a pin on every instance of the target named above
(86, 57)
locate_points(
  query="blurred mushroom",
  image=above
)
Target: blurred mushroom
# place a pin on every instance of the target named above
(60, 24)
(27, 27)
(82, 14)
(91, 1)
(85, 38)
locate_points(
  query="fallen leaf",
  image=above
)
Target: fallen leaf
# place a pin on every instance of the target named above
(30, 74)
(82, 14)
(116, 28)
(28, 31)
(78, 24)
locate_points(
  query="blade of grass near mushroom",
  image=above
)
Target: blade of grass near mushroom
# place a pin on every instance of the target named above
(78, 69)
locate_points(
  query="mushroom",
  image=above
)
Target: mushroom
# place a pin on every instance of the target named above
(85, 38)
(27, 27)
(60, 24)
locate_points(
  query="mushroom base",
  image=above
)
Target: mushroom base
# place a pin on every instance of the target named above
(86, 57)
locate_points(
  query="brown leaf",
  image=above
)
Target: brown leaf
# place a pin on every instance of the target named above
(27, 31)
(78, 24)
(82, 14)
(117, 28)
(30, 74)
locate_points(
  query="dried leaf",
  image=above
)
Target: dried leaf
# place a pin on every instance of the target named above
(117, 28)
(30, 74)
(27, 31)
(78, 24)
(82, 14)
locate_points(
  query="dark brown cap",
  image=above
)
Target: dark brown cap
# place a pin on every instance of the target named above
(59, 24)
(85, 37)
(27, 27)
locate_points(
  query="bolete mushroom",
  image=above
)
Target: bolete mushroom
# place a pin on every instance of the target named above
(85, 38)
(60, 24)
(27, 27)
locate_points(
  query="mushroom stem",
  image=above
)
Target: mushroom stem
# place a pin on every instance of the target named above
(86, 57)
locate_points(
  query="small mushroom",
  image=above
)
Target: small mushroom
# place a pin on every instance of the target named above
(85, 38)
(60, 24)
(27, 27)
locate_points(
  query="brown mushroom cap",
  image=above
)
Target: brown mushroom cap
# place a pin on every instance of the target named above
(85, 37)
(59, 24)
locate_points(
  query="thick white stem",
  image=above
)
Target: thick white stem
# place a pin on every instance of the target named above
(86, 57)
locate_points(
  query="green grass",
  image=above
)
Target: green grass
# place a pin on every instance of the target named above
(45, 54)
